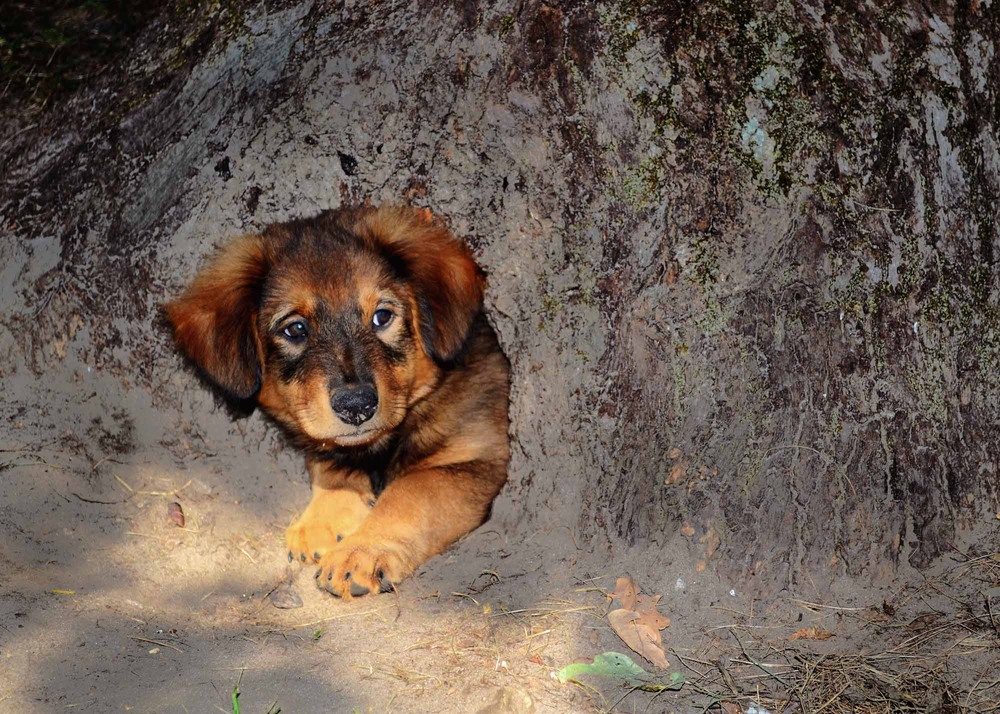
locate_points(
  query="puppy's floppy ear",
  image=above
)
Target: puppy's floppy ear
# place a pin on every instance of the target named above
(215, 320)
(448, 283)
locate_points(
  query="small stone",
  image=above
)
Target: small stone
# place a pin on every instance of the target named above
(285, 597)
(509, 700)
(175, 514)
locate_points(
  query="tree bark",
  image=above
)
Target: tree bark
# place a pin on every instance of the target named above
(742, 256)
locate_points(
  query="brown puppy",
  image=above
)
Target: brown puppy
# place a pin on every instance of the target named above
(361, 331)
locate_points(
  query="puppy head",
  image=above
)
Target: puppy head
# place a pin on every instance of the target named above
(336, 324)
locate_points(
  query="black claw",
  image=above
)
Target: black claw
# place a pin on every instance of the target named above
(315, 555)
(290, 558)
(347, 576)
(339, 537)
(371, 503)
(358, 590)
(318, 571)
(303, 557)
(329, 577)
(380, 575)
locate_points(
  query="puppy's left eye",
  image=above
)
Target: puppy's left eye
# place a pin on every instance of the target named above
(381, 318)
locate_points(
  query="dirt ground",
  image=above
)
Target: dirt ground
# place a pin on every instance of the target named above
(108, 605)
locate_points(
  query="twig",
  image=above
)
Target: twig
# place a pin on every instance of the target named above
(806, 603)
(94, 500)
(757, 664)
(157, 642)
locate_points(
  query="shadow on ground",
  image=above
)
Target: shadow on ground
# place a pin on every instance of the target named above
(108, 605)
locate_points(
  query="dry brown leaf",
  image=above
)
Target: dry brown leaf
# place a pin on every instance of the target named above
(536, 660)
(700, 566)
(922, 622)
(731, 708)
(874, 615)
(638, 622)
(687, 530)
(812, 633)
(641, 638)
(175, 514)
(675, 453)
(625, 592)
(649, 614)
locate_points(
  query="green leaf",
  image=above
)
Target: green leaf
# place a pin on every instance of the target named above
(620, 667)
(236, 697)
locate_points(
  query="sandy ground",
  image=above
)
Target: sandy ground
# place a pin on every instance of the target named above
(106, 605)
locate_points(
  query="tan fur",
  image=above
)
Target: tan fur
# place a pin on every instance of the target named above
(433, 455)
(339, 506)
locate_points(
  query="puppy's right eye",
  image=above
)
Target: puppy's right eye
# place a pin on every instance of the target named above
(295, 332)
(382, 317)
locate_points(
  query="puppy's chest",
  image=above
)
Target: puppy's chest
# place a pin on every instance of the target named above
(382, 467)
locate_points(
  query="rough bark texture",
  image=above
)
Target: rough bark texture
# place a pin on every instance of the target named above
(763, 235)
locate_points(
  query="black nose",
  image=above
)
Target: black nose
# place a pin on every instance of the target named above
(355, 405)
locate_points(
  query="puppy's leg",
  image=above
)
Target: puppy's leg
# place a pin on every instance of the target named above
(341, 501)
(417, 516)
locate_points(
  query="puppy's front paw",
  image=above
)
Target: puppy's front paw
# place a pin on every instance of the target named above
(362, 566)
(331, 516)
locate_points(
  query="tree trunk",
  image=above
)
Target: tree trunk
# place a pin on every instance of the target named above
(742, 256)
